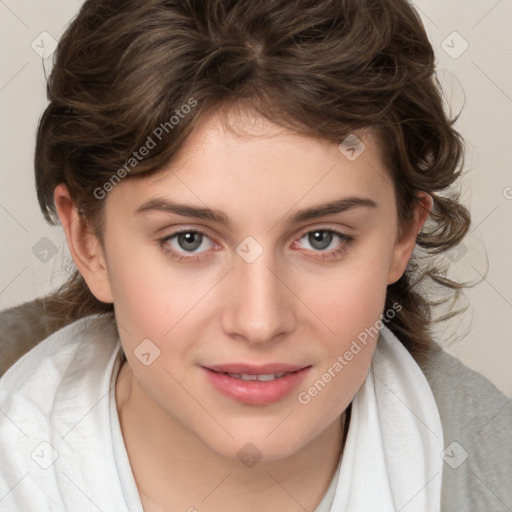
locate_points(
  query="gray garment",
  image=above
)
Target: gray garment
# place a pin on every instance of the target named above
(476, 416)
(477, 423)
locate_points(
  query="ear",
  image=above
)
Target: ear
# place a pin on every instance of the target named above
(405, 245)
(84, 245)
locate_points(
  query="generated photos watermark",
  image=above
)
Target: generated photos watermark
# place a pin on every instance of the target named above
(151, 142)
(305, 397)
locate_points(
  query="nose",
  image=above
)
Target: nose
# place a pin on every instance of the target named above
(259, 307)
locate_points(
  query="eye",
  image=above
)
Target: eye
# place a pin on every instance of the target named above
(191, 242)
(319, 240)
(189, 245)
(324, 244)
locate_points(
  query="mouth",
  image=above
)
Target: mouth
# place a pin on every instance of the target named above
(257, 385)
(262, 378)
(252, 369)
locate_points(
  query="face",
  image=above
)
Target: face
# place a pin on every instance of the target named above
(262, 256)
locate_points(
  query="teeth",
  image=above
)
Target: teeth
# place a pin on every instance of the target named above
(263, 378)
(244, 376)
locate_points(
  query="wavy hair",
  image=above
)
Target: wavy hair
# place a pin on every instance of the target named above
(323, 68)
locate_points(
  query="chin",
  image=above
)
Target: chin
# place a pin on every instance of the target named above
(250, 444)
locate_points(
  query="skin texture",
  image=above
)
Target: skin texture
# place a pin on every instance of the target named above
(294, 304)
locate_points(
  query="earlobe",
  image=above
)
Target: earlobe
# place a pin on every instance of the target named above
(404, 247)
(84, 246)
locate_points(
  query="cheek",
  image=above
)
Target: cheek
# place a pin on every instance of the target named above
(161, 302)
(147, 298)
(352, 296)
(351, 306)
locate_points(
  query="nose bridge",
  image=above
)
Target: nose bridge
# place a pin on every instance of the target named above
(260, 307)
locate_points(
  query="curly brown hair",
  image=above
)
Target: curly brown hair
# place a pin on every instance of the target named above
(323, 68)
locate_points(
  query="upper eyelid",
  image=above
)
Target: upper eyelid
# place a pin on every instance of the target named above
(301, 232)
(330, 230)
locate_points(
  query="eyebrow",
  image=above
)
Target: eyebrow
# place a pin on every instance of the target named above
(329, 208)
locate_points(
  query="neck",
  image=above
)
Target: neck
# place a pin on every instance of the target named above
(175, 470)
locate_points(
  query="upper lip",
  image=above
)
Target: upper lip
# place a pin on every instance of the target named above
(250, 369)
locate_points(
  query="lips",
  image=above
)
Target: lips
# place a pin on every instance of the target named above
(247, 369)
(257, 385)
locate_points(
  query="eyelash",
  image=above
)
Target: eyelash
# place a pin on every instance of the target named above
(325, 255)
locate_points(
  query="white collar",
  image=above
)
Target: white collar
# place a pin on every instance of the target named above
(391, 460)
(392, 456)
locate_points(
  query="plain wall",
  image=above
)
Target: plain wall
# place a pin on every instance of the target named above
(34, 256)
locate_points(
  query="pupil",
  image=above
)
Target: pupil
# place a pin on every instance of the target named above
(320, 239)
(189, 241)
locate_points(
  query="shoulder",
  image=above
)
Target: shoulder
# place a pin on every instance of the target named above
(41, 369)
(39, 396)
(468, 401)
(22, 327)
(477, 428)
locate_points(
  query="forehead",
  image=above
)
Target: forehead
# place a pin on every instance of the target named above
(237, 155)
(243, 136)
(246, 129)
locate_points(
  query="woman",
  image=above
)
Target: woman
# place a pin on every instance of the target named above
(242, 186)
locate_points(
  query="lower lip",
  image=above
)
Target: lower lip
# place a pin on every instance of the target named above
(256, 392)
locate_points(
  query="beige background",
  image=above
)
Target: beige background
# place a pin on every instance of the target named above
(34, 256)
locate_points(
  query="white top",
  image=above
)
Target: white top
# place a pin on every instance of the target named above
(62, 450)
